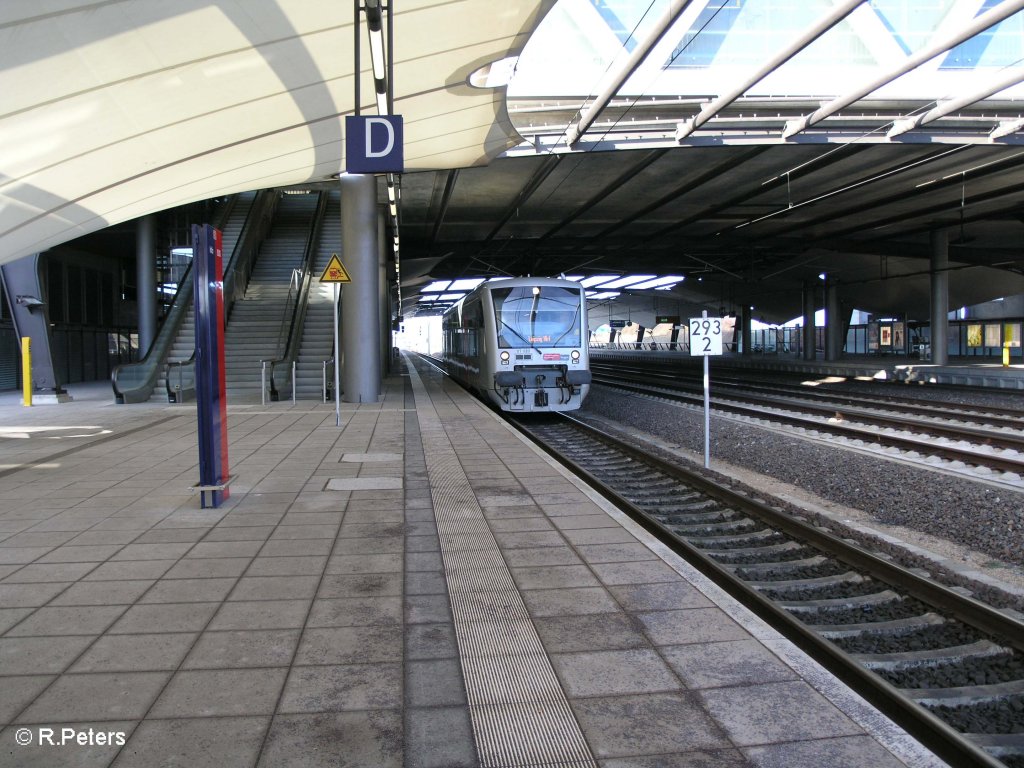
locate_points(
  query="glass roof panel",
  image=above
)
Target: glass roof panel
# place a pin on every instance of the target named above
(466, 284)
(715, 44)
(436, 287)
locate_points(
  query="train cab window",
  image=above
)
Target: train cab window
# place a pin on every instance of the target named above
(547, 316)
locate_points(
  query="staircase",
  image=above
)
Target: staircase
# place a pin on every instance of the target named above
(254, 329)
(318, 329)
(184, 343)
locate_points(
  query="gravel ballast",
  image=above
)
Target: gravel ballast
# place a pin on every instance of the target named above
(975, 515)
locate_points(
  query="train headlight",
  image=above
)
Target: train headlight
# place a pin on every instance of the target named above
(504, 358)
(575, 355)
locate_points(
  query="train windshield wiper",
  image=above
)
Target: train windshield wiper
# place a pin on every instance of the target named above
(571, 327)
(517, 333)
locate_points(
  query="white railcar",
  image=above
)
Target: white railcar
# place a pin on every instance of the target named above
(521, 343)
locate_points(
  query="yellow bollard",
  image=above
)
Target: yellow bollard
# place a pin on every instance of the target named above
(1006, 355)
(26, 370)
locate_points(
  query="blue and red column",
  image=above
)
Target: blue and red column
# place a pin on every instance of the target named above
(211, 399)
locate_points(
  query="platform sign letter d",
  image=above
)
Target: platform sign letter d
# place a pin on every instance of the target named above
(374, 144)
(371, 124)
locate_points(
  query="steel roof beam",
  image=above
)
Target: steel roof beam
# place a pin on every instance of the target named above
(1009, 77)
(980, 24)
(618, 78)
(823, 25)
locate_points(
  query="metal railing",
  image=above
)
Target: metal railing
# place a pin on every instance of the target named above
(134, 382)
(236, 282)
(282, 368)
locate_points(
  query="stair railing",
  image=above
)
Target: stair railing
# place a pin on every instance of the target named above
(281, 367)
(134, 382)
(237, 272)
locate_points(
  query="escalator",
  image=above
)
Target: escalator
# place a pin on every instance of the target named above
(244, 220)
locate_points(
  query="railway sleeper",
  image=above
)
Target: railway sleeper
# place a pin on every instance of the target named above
(780, 565)
(854, 601)
(968, 694)
(723, 542)
(724, 528)
(892, 627)
(808, 585)
(768, 551)
(1000, 745)
(676, 517)
(909, 659)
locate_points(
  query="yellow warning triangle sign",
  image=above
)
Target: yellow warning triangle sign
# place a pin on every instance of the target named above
(335, 272)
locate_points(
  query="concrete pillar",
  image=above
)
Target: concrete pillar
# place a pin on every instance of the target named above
(834, 322)
(940, 297)
(145, 282)
(360, 326)
(810, 305)
(382, 293)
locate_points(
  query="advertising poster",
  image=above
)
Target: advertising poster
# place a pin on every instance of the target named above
(872, 336)
(974, 335)
(899, 337)
(1011, 334)
(885, 336)
(992, 337)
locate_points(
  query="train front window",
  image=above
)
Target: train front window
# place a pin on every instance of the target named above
(531, 316)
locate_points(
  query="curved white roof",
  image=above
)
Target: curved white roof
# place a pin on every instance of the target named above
(113, 109)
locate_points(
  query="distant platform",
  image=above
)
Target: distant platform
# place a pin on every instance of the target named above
(963, 371)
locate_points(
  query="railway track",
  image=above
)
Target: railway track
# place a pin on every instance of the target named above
(953, 438)
(946, 667)
(728, 381)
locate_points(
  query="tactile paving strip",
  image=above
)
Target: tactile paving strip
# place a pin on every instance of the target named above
(518, 709)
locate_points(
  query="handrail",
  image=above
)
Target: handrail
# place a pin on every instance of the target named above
(134, 382)
(294, 337)
(236, 281)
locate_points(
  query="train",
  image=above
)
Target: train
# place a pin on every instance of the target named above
(521, 343)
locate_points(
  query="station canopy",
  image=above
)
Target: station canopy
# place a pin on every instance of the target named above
(765, 142)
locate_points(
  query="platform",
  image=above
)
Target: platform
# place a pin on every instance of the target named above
(418, 587)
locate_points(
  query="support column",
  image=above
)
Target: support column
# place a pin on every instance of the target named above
(834, 322)
(382, 294)
(145, 282)
(23, 285)
(940, 297)
(810, 305)
(360, 327)
(745, 319)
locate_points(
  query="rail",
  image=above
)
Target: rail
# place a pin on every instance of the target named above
(921, 723)
(296, 303)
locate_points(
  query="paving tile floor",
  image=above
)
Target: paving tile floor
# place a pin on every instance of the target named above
(308, 621)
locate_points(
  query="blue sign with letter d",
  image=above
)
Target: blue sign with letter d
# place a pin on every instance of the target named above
(374, 144)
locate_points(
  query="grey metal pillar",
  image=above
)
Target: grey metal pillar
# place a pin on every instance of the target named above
(382, 294)
(940, 297)
(834, 322)
(810, 306)
(360, 327)
(145, 283)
